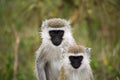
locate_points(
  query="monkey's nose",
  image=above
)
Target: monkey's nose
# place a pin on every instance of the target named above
(56, 41)
(76, 65)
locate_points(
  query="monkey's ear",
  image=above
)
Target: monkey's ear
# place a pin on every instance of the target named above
(63, 50)
(88, 50)
(44, 24)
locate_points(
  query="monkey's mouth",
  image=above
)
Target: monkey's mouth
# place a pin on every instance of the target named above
(56, 42)
(76, 65)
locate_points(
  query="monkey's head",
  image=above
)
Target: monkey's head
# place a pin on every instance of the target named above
(76, 57)
(56, 32)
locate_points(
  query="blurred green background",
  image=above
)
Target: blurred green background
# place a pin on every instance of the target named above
(95, 24)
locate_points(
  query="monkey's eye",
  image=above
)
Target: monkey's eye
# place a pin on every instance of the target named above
(52, 33)
(56, 33)
(75, 58)
(60, 32)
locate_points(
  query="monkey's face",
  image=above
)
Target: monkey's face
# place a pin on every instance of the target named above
(56, 36)
(75, 61)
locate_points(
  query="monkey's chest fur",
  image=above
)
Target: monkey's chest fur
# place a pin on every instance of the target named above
(53, 65)
(77, 75)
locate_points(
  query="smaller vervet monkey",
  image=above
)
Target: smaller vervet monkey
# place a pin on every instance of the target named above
(75, 64)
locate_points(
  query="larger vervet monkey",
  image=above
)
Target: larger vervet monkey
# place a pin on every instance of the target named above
(56, 33)
(75, 64)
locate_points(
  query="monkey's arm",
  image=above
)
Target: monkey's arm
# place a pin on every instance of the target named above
(91, 76)
(40, 64)
(61, 75)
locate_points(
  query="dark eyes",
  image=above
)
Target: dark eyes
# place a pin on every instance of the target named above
(56, 32)
(51, 33)
(73, 58)
(61, 33)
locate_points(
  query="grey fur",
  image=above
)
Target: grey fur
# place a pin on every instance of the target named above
(48, 56)
(84, 72)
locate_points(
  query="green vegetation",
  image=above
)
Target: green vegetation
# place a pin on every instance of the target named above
(95, 24)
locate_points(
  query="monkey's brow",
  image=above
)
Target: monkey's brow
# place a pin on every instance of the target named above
(76, 49)
(55, 23)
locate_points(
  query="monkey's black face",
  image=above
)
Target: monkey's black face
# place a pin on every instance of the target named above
(56, 36)
(75, 61)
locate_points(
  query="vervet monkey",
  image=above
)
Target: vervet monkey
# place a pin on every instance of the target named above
(56, 34)
(75, 64)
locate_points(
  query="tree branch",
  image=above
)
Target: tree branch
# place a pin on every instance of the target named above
(77, 13)
(17, 41)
